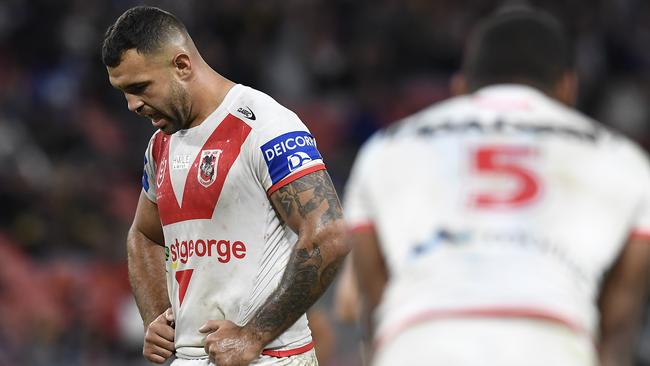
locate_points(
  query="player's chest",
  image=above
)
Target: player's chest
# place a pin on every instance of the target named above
(192, 171)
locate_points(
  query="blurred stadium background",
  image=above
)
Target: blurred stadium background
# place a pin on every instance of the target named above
(71, 153)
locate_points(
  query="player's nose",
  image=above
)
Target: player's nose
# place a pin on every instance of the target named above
(134, 103)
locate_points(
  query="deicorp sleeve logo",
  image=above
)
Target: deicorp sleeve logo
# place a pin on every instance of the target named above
(288, 152)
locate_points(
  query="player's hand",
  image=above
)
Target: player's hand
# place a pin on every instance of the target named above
(159, 338)
(228, 344)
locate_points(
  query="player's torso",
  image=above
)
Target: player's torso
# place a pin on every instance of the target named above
(225, 247)
(206, 201)
(501, 201)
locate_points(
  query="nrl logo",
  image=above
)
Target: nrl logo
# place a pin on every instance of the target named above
(161, 173)
(207, 172)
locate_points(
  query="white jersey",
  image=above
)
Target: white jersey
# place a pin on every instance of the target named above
(501, 203)
(226, 248)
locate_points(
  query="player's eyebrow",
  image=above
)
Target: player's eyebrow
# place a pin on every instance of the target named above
(134, 88)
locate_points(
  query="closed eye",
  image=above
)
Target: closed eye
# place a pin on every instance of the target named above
(137, 88)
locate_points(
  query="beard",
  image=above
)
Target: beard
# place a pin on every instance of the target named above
(178, 116)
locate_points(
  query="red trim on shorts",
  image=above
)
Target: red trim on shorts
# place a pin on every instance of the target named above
(289, 352)
(293, 177)
(362, 226)
(640, 234)
(496, 312)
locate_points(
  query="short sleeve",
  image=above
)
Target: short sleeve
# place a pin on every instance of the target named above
(357, 202)
(286, 151)
(149, 172)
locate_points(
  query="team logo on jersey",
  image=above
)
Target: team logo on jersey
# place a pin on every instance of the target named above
(161, 173)
(288, 152)
(207, 172)
(442, 236)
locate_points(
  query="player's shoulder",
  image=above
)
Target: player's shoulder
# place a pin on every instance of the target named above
(559, 112)
(618, 147)
(607, 137)
(630, 155)
(276, 132)
(398, 135)
(430, 115)
(625, 152)
(260, 111)
(155, 144)
(155, 136)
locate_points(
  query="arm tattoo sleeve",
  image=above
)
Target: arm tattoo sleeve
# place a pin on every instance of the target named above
(319, 188)
(310, 200)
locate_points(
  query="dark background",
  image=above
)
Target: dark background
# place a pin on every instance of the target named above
(71, 153)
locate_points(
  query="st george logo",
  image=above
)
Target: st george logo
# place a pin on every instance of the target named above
(207, 172)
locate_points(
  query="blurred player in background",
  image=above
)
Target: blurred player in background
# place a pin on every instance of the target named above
(503, 227)
(229, 179)
(347, 306)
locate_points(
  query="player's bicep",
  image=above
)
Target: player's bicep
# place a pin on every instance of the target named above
(147, 220)
(309, 203)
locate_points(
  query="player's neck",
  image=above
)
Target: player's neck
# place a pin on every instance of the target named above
(209, 92)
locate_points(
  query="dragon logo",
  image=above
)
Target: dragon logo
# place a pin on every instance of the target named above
(207, 172)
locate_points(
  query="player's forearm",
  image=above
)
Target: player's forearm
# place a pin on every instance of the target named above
(311, 268)
(616, 352)
(621, 315)
(146, 263)
(370, 272)
(618, 340)
(622, 304)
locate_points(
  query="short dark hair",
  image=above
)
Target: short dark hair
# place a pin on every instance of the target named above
(144, 28)
(520, 45)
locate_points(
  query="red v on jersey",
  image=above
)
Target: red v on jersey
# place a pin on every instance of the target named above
(183, 278)
(198, 200)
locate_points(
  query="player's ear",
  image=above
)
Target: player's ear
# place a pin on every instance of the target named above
(458, 84)
(182, 65)
(567, 88)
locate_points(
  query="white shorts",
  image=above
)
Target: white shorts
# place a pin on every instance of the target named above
(304, 359)
(480, 342)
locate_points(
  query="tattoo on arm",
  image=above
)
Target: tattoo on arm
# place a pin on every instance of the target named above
(322, 190)
(313, 264)
(300, 287)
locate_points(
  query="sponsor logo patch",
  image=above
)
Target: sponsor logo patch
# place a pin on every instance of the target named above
(207, 172)
(297, 160)
(288, 152)
(223, 251)
(247, 112)
(181, 162)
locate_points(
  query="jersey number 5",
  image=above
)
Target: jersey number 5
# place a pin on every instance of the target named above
(505, 161)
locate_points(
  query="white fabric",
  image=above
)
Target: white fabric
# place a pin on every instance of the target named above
(480, 342)
(500, 203)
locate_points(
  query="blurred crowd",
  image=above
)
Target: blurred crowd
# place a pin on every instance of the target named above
(71, 153)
